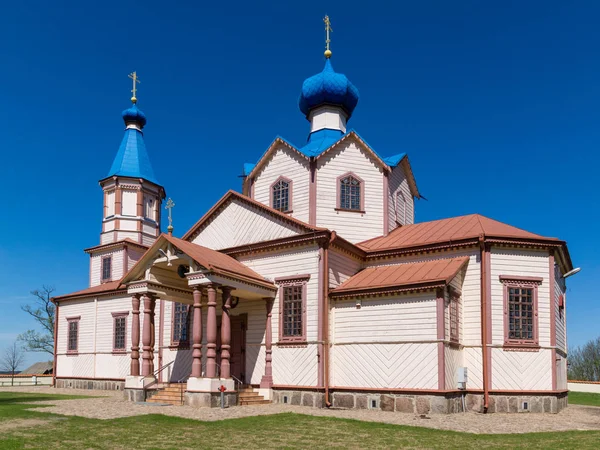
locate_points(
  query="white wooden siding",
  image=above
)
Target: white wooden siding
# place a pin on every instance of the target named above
(239, 223)
(355, 227)
(341, 267)
(292, 366)
(561, 322)
(521, 370)
(453, 358)
(287, 163)
(133, 256)
(398, 183)
(518, 262)
(474, 363)
(96, 265)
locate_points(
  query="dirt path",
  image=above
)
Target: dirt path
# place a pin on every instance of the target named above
(111, 405)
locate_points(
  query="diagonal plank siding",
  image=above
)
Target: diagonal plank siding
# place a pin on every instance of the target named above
(521, 370)
(454, 360)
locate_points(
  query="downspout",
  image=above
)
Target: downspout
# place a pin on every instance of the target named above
(55, 343)
(326, 315)
(484, 325)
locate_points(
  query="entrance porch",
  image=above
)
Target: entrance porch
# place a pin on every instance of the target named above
(174, 270)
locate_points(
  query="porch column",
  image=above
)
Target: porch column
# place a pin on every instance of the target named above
(211, 333)
(147, 336)
(152, 333)
(226, 333)
(197, 334)
(135, 336)
(267, 380)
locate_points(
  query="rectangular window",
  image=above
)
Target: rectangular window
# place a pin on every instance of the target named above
(149, 208)
(181, 324)
(110, 203)
(454, 319)
(120, 332)
(129, 202)
(73, 337)
(520, 310)
(350, 192)
(293, 314)
(107, 268)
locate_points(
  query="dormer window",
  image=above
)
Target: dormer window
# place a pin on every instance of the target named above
(281, 194)
(350, 193)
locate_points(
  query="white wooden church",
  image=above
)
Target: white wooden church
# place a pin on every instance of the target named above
(315, 286)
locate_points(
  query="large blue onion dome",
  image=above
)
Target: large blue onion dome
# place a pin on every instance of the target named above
(328, 87)
(134, 115)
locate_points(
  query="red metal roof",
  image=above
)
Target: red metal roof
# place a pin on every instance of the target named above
(433, 273)
(446, 230)
(100, 289)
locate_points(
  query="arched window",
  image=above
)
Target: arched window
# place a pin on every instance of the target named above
(350, 193)
(400, 208)
(281, 195)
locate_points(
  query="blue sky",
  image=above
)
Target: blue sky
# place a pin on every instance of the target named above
(496, 103)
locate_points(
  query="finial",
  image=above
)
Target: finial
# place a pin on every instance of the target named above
(133, 76)
(170, 205)
(327, 40)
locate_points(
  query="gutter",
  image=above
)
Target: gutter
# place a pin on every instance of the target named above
(484, 272)
(325, 314)
(55, 342)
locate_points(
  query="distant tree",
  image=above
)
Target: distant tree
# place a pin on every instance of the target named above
(584, 362)
(11, 359)
(43, 311)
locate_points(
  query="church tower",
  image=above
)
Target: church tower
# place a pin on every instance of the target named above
(132, 203)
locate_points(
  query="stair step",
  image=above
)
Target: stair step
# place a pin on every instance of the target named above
(169, 402)
(248, 394)
(254, 402)
(166, 397)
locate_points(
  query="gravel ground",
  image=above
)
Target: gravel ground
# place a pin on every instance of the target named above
(111, 405)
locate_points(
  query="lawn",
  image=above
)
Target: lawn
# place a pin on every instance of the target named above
(584, 398)
(21, 427)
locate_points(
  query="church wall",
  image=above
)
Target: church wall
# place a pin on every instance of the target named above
(82, 364)
(341, 267)
(388, 342)
(292, 365)
(133, 256)
(353, 226)
(398, 184)
(239, 223)
(560, 316)
(96, 265)
(288, 164)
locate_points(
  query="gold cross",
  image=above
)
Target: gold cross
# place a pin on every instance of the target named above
(327, 40)
(133, 76)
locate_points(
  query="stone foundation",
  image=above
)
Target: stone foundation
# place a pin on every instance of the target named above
(90, 384)
(425, 404)
(210, 399)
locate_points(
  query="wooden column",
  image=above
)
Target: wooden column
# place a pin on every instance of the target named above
(147, 336)
(135, 336)
(267, 380)
(226, 333)
(197, 334)
(152, 333)
(211, 333)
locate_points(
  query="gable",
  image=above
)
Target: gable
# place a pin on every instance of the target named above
(240, 221)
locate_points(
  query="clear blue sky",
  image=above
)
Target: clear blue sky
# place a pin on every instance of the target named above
(497, 105)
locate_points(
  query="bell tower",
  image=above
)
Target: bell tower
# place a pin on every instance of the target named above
(132, 203)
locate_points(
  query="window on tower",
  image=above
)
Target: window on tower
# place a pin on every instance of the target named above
(150, 208)
(281, 195)
(350, 193)
(106, 269)
(109, 204)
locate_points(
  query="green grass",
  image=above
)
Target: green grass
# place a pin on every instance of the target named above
(584, 398)
(22, 427)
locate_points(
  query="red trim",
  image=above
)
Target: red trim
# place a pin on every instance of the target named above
(102, 279)
(161, 337)
(485, 299)
(386, 204)
(292, 339)
(312, 193)
(552, 286)
(125, 260)
(509, 278)
(180, 344)
(320, 355)
(293, 278)
(512, 282)
(290, 184)
(75, 319)
(361, 185)
(54, 368)
(441, 332)
(488, 313)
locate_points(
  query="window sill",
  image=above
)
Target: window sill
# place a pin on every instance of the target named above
(119, 352)
(454, 344)
(517, 347)
(359, 211)
(72, 352)
(107, 280)
(299, 343)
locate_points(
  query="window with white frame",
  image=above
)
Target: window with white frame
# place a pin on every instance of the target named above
(280, 195)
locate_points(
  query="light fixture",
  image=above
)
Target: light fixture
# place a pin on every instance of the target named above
(572, 272)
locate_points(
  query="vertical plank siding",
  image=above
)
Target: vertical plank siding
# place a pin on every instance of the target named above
(285, 162)
(399, 183)
(561, 322)
(96, 265)
(353, 226)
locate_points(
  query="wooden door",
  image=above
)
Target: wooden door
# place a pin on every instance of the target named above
(238, 346)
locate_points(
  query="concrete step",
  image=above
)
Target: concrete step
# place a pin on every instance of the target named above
(164, 401)
(168, 396)
(261, 401)
(172, 389)
(247, 394)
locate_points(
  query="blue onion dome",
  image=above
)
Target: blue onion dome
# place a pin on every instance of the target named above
(134, 115)
(328, 88)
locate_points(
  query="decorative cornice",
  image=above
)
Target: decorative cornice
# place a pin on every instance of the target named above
(292, 279)
(513, 279)
(122, 242)
(276, 244)
(387, 291)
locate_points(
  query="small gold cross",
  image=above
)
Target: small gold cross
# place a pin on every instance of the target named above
(328, 29)
(133, 76)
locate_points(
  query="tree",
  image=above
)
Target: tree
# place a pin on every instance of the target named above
(12, 358)
(43, 311)
(584, 362)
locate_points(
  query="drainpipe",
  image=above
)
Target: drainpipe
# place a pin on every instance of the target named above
(55, 341)
(326, 316)
(484, 323)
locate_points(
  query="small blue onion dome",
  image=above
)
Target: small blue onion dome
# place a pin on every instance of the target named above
(328, 87)
(134, 115)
